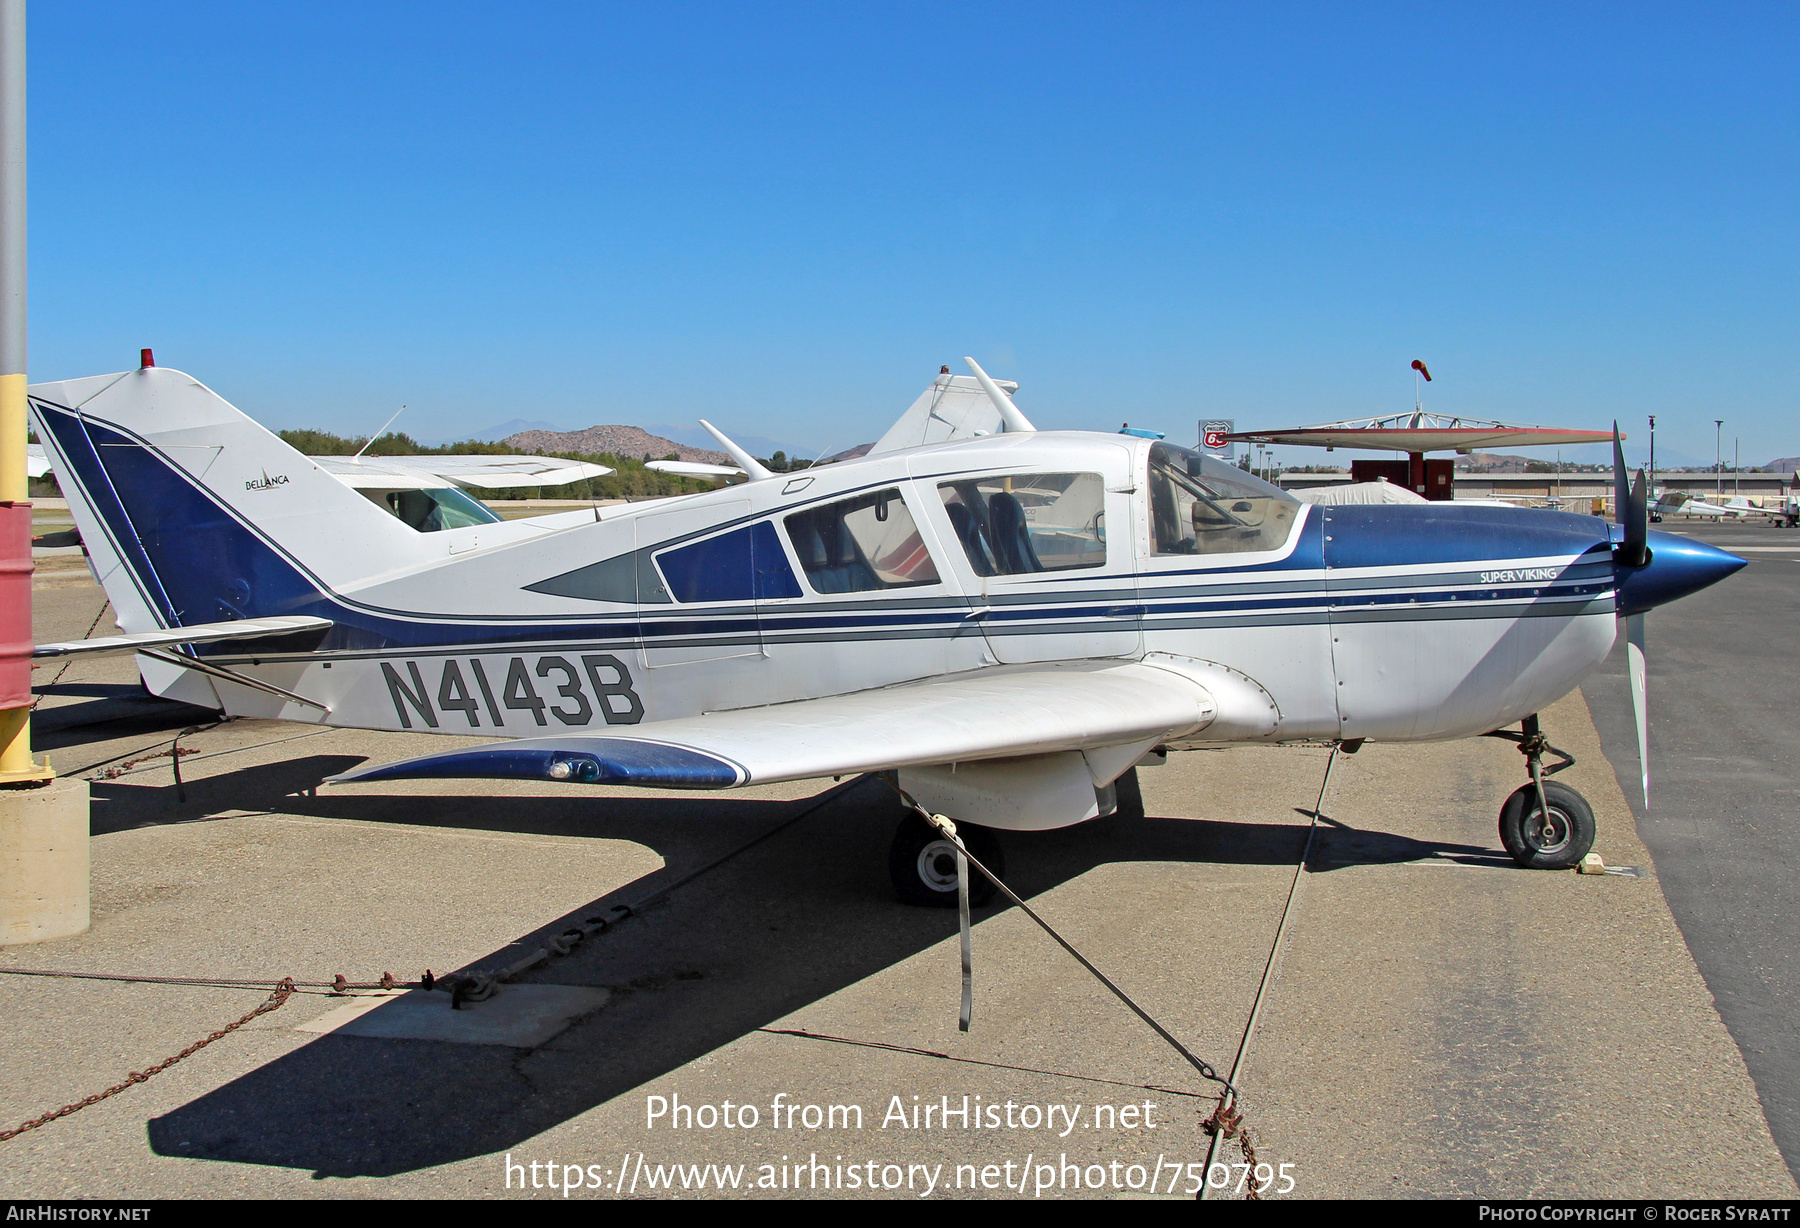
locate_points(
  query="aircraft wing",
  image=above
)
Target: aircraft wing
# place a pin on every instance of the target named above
(481, 472)
(37, 463)
(997, 713)
(694, 469)
(200, 633)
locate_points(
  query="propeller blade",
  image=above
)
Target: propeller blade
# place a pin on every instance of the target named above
(1621, 479)
(1635, 551)
(1634, 658)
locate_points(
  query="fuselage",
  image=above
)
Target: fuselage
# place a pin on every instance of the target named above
(1391, 623)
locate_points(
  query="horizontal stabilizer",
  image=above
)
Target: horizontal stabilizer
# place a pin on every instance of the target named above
(202, 633)
(997, 713)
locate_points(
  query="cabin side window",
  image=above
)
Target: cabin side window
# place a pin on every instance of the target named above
(432, 510)
(745, 564)
(860, 545)
(1024, 522)
(1200, 505)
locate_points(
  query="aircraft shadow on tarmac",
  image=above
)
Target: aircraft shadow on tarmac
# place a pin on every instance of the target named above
(125, 709)
(780, 926)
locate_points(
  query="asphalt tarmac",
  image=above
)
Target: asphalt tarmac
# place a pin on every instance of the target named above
(1723, 823)
(1441, 1024)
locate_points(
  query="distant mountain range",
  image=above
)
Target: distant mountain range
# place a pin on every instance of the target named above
(673, 437)
(1506, 462)
(632, 441)
(499, 431)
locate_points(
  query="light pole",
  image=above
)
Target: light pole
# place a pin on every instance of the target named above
(1652, 455)
(1718, 458)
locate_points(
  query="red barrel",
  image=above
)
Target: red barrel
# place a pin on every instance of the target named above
(15, 605)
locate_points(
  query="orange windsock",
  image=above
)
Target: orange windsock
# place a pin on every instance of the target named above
(1419, 366)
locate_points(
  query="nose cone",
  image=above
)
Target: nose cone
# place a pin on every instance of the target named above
(1678, 566)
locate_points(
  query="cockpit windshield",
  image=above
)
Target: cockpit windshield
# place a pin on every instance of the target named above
(1199, 505)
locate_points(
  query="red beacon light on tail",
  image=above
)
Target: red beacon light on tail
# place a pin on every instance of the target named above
(146, 359)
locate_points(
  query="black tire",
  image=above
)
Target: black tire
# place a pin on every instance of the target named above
(922, 863)
(1568, 837)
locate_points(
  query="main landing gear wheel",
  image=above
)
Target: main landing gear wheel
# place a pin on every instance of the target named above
(923, 864)
(1557, 840)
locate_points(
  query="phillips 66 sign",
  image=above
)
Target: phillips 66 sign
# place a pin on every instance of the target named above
(1212, 437)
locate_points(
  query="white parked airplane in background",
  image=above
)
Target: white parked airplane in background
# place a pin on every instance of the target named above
(426, 491)
(1785, 510)
(1010, 620)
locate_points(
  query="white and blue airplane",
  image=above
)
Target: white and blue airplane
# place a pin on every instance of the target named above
(1008, 620)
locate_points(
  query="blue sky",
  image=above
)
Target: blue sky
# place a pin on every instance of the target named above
(785, 217)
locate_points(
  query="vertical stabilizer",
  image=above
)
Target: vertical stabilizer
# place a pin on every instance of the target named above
(192, 512)
(953, 407)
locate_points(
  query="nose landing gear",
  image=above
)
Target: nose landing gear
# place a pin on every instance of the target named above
(1544, 825)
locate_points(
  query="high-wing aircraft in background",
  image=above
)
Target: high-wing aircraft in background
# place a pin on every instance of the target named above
(1007, 619)
(1786, 511)
(427, 492)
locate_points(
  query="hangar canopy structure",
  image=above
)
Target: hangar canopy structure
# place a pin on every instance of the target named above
(1416, 433)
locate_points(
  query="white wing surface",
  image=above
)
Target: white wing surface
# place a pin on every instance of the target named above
(480, 472)
(1005, 712)
(37, 464)
(694, 469)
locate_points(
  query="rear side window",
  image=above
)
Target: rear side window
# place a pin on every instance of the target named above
(860, 545)
(1025, 522)
(743, 565)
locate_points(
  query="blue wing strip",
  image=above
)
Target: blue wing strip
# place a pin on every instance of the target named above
(593, 761)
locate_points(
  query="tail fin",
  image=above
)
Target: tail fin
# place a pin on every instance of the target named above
(193, 513)
(953, 407)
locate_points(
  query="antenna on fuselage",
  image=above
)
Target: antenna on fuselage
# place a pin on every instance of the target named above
(357, 459)
(748, 463)
(1009, 413)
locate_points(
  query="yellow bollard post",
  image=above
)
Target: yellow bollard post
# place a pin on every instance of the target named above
(43, 821)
